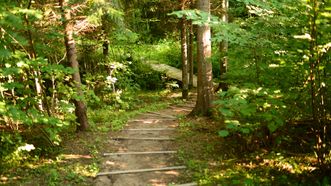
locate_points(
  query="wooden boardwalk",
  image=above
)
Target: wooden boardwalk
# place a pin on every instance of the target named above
(170, 71)
(145, 152)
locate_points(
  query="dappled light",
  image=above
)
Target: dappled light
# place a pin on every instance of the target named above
(162, 92)
(75, 156)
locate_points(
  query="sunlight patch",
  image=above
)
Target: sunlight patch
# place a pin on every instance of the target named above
(76, 156)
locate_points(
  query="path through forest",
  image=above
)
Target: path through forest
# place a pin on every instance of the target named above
(144, 147)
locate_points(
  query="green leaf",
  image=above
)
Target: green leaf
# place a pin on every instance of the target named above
(248, 111)
(4, 53)
(231, 126)
(245, 130)
(226, 112)
(223, 133)
(2, 107)
(272, 127)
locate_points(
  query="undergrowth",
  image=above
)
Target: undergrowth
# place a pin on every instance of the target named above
(77, 159)
(214, 160)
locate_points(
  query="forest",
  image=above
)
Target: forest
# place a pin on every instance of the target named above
(255, 73)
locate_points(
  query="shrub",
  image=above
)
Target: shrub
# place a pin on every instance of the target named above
(252, 113)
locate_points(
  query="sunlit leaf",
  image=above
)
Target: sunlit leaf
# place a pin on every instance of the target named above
(223, 133)
(226, 112)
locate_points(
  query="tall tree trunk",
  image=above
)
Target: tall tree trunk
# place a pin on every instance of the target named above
(184, 59)
(205, 76)
(316, 90)
(68, 25)
(224, 49)
(33, 55)
(183, 38)
(190, 54)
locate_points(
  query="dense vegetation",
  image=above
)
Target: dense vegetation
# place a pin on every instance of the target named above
(276, 104)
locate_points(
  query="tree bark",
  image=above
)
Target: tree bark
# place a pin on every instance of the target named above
(316, 91)
(184, 59)
(33, 55)
(224, 49)
(183, 37)
(105, 48)
(190, 54)
(205, 76)
(68, 25)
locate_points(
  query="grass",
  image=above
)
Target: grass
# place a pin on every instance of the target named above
(77, 160)
(110, 119)
(213, 160)
(165, 52)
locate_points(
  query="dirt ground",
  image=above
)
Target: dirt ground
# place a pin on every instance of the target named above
(165, 121)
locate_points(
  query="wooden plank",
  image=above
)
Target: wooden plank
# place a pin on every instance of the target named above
(185, 106)
(160, 114)
(181, 108)
(152, 119)
(161, 117)
(139, 153)
(171, 72)
(187, 184)
(133, 138)
(149, 129)
(140, 170)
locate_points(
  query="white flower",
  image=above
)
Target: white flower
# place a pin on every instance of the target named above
(26, 147)
(111, 80)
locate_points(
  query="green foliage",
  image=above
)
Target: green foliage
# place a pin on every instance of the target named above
(120, 74)
(250, 109)
(145, 76)
(272, 57)
(165, 52)
(198, 17)
(29, 116)
(219, 161)
(113, 117)
(20, 113)
(149, 19)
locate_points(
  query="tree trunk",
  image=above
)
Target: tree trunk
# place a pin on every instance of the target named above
(184, 59)
(190, 54)
(224, 49)
(33, 55)
(105, 48)
(205, 76)
(316, 91)
(80, 110)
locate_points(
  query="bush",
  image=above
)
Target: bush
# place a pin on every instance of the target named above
(252, 113)
(145, 76)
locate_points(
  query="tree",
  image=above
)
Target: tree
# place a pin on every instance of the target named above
(317, 83)
(190, 46)
(184, 53)
(205, 76)
(224, 48)
(69, 40)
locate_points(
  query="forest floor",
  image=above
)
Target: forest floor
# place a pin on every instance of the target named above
(209, 158)
(81, 155)
(153, 133)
